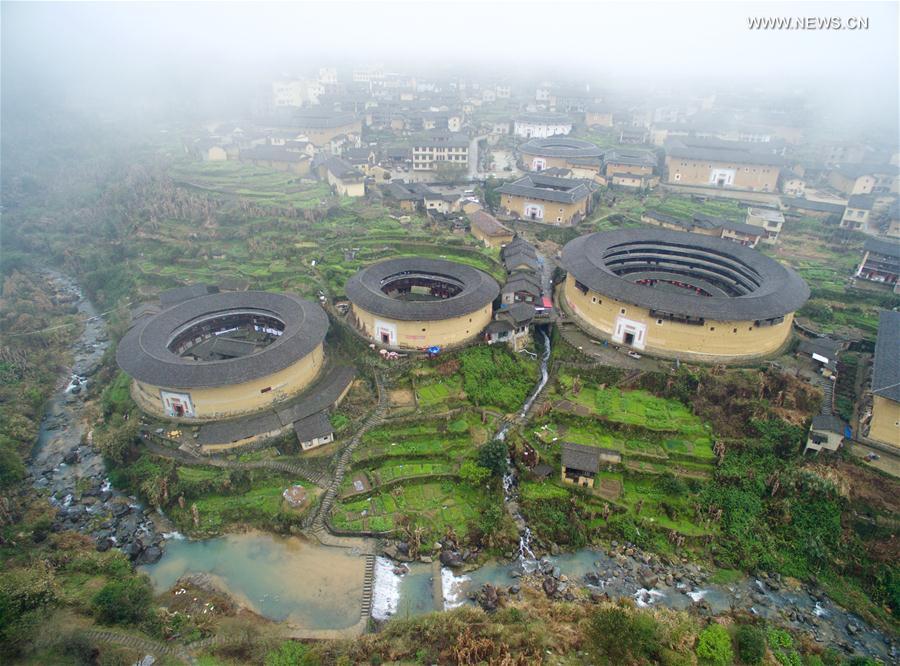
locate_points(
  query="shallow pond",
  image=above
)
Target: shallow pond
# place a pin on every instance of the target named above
(285, 579)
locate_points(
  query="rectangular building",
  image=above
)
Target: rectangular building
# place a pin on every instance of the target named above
(432, 151)
(885, 424)
(545, 199)
(722, 164)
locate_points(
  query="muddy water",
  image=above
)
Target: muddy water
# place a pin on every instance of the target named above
(284, 579)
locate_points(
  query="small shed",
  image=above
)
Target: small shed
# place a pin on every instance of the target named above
(314, 430)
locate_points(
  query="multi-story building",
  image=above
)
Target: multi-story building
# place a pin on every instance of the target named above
(546, 199)
(880, 262)
(885, 424)
(770, 220)
(858, 213)
(435, 150)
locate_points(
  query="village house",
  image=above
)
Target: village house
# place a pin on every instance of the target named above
(314, 430)
(548, 200)
(598, 116)
(519, 255)
(745, 234)
(811, 208)
(511, 325)
(885, 424)
(320, 126)
(858, 213)
(520, 287)
(852, 179)
(581, 463)
(488, 229)
(793, 185)
(823, 352)
(826, 432)
(279, 158)
(432, 151)
(622, 161)
(343, 177)
(880, 262)
(210, 149)
(771, 221)
(722, 164)
(542, 125)
(707, 225)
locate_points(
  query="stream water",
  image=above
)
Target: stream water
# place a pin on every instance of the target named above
(319, 587)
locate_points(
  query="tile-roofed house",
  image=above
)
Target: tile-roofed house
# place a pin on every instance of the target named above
(557, 201)
(619, 160)
(520, 260)
(580, 464)
(346, 179)
(810, 207)
(518, 244)
(823, 351)
(281, 158)
(880, 262)
(314, 430)
(739, 232)
(488, 229)
(511, 325)
(858, 213)
(885, 424)
(826, 432)
(520, 287)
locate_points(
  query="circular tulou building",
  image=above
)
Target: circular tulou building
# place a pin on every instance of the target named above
(414, 303)
(224, 354)
(681, 295)
(557, 152)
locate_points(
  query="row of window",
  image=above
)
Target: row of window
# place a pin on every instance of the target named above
(746, 169)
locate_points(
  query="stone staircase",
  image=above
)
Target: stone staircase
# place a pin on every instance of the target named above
(827, 387)
(368, 587)
(376, 418)
(139, 643)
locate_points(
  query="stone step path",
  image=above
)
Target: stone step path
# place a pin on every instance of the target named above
(368, 587)
(376, 418)
(145, 645)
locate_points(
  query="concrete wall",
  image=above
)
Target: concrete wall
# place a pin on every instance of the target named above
(237, 399)
(754, 177)
(421, 334)
(346, 188)
(585, 481)
(714, 341)
(885, 427)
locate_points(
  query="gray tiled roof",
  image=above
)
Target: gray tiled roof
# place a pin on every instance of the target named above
(519, 258)
(544, 118)
(644, 158)
(780, 290)
(806, 204)
(143, 352)
(488, 224)
(519, 313)
(886, 248)
(518, 244)
(313, 426)
(828, 423)
(322, 119)
(364, 289)
(342, 169)
(580, 457)
(558, 146)
(715, 150)
(272, 154)
(547, 188)
(177, 295)
(886, 371)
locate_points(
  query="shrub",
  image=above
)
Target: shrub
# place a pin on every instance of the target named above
(618, 636)
(751, 644)
(474, 474)
(292, 653)
(714, 646)
(124, 602)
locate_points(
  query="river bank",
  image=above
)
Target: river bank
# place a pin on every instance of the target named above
(65, 465)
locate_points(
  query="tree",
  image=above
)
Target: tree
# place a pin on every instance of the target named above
(124, 602)
(11, 467)
(116, 441)
(493, 456)
(473, 473)
(714, 646)
(751, 644)
(618, 636)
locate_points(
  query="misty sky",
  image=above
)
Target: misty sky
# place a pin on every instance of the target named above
(92, 50)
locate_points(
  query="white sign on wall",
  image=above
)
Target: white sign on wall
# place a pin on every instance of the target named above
(631, 333)
(721, 177)
(177, 404)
